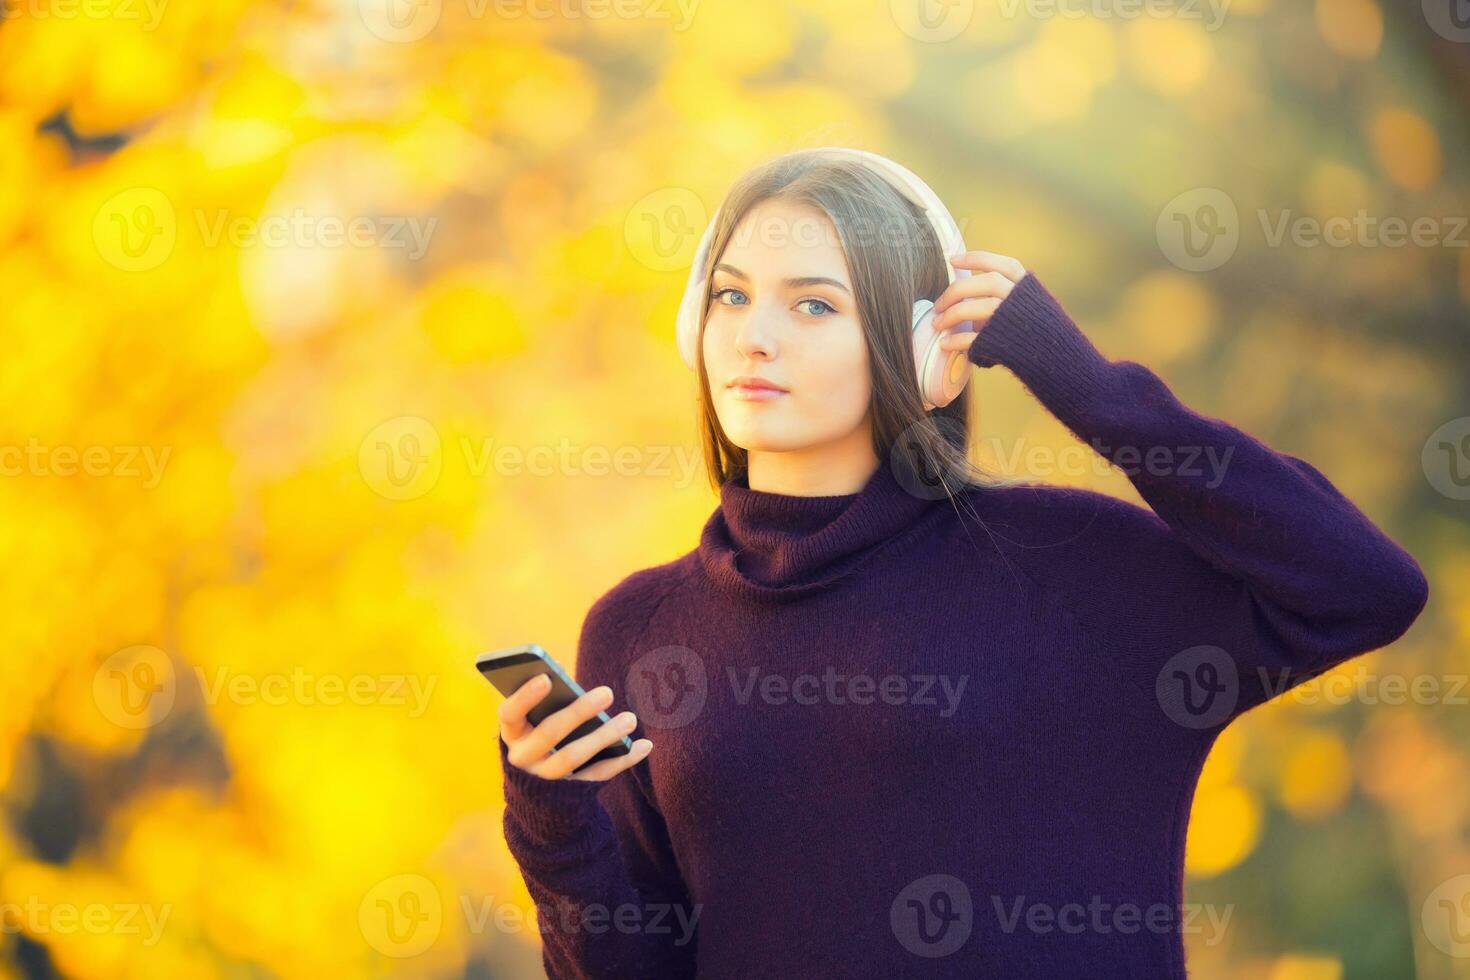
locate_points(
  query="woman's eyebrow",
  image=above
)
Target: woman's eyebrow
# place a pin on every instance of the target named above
(800, 281)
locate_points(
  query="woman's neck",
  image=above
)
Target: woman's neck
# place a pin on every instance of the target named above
(812, 473)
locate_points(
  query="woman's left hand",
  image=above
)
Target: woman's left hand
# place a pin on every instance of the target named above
(975, 297)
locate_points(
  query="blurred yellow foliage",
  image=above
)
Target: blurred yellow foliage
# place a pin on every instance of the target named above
(325, 321)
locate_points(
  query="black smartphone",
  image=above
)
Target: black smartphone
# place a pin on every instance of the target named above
(508, 669)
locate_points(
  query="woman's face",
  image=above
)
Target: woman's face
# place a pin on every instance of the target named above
(783, 311)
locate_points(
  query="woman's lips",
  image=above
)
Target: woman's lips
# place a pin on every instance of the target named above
(755, 393)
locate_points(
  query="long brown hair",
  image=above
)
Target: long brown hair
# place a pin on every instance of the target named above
(894, 258)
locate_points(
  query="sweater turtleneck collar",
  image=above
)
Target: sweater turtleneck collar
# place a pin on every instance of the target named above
(775, 547)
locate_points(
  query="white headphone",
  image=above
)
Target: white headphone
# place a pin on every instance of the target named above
(942, 375)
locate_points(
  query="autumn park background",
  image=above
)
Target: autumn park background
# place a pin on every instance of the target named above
(338, 348)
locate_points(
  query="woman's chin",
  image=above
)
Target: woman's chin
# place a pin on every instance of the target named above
(763, 439)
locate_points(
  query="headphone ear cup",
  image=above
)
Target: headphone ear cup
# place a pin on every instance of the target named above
(941, 374)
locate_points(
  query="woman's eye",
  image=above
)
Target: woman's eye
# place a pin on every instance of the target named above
(721, 292)
(822, 308)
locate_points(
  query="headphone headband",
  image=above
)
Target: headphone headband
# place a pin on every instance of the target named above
(905, 181)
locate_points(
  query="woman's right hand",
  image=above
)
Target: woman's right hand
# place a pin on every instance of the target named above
(533, 748)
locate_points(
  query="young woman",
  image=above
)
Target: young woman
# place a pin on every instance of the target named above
(912, 721)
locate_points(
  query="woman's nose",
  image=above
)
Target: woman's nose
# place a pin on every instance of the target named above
(758, 330)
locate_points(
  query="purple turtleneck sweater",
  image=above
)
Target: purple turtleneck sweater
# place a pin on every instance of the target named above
(898, 738)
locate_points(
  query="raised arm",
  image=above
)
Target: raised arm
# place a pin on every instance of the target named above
(596, 856)
(1252, 573)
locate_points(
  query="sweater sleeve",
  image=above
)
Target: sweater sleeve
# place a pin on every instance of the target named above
(596, 856)
(1251, 574)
